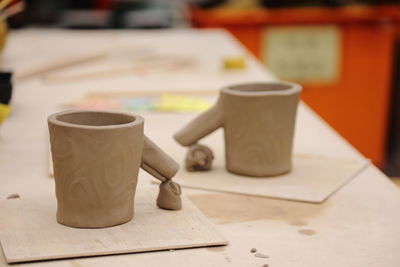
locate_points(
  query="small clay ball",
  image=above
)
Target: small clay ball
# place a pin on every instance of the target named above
(253, 250)
(199, 158)
(169, 197)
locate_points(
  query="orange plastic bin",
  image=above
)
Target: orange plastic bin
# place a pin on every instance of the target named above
(356, 103)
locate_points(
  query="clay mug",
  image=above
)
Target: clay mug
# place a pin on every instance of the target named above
(258, 121)
(96, 158)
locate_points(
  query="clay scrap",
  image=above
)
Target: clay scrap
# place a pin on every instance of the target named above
(199, 158)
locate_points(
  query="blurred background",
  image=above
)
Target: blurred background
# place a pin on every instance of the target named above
(344, 52)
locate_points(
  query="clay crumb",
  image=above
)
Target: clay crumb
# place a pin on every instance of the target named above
(13, 196)
(306, 232)
(261, 255)
(265, 265)
(253, 250)
(228, 259)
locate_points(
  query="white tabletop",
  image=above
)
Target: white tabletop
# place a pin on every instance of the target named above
(357, 226)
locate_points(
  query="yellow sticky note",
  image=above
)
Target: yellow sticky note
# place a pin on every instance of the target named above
(234, 63)
(180, 103)
(4, 111)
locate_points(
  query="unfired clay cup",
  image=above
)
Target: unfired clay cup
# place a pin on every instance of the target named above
(258, 121)
(96, 157)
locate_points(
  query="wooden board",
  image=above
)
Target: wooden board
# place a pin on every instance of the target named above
(29, 231)
(315, 175)
(313, 179)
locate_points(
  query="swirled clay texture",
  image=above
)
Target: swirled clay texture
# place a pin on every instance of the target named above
(96, 172)
(258, 121)
(259, 132)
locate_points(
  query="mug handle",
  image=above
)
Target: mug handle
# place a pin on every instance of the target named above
(161, 166)
(156, 162)
(201, 126)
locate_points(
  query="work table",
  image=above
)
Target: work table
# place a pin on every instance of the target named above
(357, 226)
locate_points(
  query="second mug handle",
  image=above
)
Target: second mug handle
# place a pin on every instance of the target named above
(201, 126)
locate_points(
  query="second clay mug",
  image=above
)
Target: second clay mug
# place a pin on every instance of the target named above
(96, 158)
(258, 121)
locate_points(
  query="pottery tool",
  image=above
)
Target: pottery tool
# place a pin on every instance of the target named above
(136, 66)
(30, 232)
(5, 95)
(62, 62)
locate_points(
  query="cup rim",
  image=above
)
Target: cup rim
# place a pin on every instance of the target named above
(53, 119)
(293, 88)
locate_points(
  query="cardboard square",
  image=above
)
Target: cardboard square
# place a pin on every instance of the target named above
(29, 231)
(313, 179)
